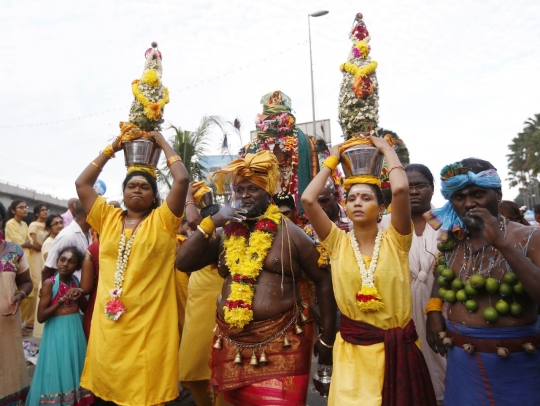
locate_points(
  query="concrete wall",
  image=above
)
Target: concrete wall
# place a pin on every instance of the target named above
(11, 191)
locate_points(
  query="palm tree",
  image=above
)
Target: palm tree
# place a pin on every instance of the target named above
(191, 145)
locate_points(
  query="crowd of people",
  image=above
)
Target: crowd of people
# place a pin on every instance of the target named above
(419, 306)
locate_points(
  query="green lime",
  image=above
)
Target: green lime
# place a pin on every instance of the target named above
(441, 247)
(492, 285)
(477, 281)
(505, 289)
(442, 292)
(469, 290)
(449, 245)
(461, 295)
(510, 278)
(516, 309)
(471, 305)
(450, 296)
(457, 284)
(441, 260)
(440, 268)
(518, 289)
(448, 274)
(441, 281)
(490, 314)
(502, 307)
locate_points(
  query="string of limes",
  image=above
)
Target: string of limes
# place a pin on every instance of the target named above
(453, 289)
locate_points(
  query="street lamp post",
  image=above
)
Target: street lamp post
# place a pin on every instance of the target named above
(315, 14)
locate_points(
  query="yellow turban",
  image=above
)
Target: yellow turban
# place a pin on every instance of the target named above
(260, 168)
(355, 180)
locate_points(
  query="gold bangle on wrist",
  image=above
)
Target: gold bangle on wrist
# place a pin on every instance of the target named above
(203, 232)
(96, 165)
(189, 202)
(108, 151)
(21, 291)
(172, 160)
(323, 343)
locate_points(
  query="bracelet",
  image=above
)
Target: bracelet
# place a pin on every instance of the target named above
(395, 167)
(108, 151)
(189, 202)
(323, 343)
(203, 232)
(21, 291)
(434, 305)
(172, 160)
(96, 165)
(207, 225)
(331, 163)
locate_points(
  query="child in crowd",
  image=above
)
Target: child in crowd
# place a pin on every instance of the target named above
(63, 346)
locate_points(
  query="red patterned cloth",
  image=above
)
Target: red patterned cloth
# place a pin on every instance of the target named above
(406, 376)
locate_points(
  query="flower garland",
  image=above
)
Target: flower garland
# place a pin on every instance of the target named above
(151, 109)
(245, 262)
(361, 50)
(368, 298)
(151, 78)
(114, 307)
(356, 71)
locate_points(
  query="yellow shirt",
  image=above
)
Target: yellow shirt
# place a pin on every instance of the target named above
(197, 339)
(134, 361)
(358, 374)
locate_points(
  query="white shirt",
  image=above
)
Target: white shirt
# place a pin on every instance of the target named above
(72, 235)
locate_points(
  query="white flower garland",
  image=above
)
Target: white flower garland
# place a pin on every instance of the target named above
(114, 308)
(368, 297)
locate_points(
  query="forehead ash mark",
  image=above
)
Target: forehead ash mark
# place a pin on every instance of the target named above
(138, 180)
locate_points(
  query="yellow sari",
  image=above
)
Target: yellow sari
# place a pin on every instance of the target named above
(134, 361)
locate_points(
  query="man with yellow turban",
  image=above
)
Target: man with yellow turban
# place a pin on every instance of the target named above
(260, 353)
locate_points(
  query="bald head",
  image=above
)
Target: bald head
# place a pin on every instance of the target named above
(328, 200)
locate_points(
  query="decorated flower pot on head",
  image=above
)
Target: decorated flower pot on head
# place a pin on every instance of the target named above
(141, 152)
(362, 160)
(146, 113)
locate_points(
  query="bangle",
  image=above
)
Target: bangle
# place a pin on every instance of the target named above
(207, 225)
(21, 291)
(203, 232)
(96, 165)
(331, 163)
(172, 160)
(108, 151)
(434, 305)
(323, 343)
(189, 202)
(395, 167)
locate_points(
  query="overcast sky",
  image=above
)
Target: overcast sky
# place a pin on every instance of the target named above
(457, 79)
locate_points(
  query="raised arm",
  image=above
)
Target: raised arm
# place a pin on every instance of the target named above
(310, 199)
(85, 182)
(401, 210)
(177, 196)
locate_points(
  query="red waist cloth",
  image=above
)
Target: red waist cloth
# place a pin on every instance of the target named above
(226, 375)
(406, 376)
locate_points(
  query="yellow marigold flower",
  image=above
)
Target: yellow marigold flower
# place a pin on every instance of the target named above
(151, 78)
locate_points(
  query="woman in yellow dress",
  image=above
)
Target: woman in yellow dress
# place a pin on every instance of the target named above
(17, 232)
(376, 360)
(132, 356)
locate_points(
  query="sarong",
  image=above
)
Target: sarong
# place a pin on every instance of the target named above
(282, 381)
(484, 378)
(406, 376)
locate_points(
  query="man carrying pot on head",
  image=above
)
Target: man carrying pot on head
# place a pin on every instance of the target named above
(491, 278)
(261, 257)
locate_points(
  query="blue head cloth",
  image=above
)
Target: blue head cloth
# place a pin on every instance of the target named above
(446, 219)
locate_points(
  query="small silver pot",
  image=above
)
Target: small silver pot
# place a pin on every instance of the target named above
(141, 152)
(362, 160)
(322, 378)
